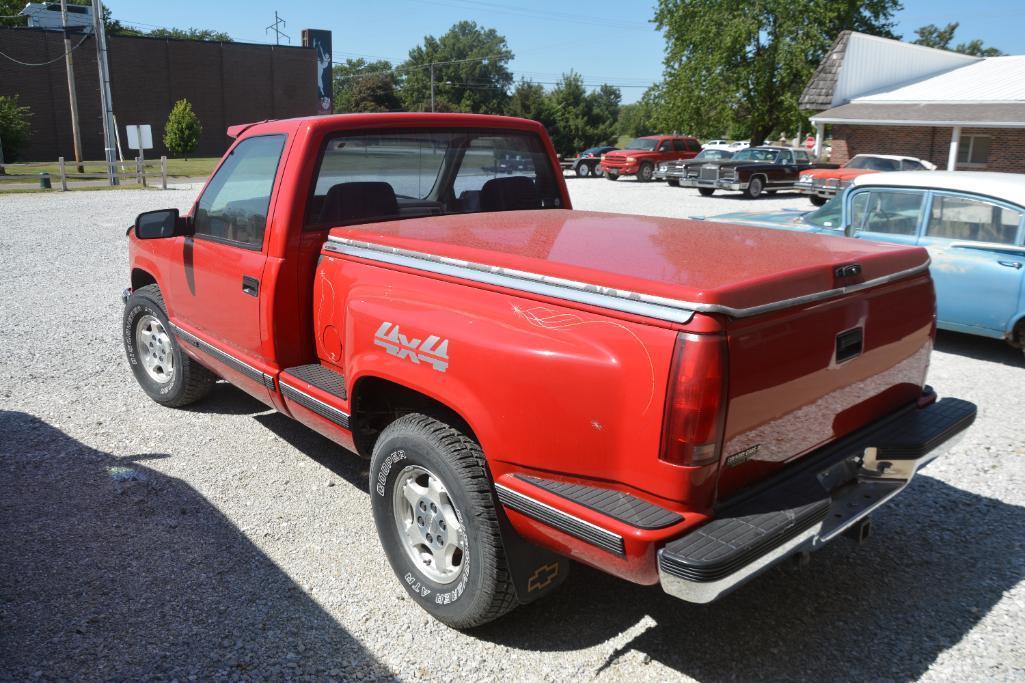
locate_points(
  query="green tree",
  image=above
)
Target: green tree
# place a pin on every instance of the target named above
(932, 35)
(182, 131)
(742, 66)
(638, 118)
(15, 128)
(529, 101)
(190, 34)
(578, 119)
(471, 72)
(362, 86)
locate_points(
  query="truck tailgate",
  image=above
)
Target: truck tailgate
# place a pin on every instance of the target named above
(803, 376)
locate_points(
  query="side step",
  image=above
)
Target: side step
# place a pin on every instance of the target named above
(320, 376)
(622, 507)
(301, 383)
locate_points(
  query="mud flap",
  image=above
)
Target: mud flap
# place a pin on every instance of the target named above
(535, 571)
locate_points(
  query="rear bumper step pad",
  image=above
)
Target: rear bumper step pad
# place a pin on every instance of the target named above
(803, 512)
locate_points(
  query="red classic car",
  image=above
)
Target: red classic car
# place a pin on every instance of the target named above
(643, 154)
(824, 183)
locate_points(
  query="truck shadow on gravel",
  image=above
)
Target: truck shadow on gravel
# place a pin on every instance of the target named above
(110, 570)
(939, 560)
(979, 348)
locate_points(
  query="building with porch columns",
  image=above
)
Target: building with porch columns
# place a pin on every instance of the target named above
(884, 96)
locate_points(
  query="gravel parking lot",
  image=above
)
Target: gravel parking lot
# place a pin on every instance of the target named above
(227, 542)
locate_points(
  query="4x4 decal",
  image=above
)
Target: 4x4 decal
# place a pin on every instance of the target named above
(433, 350)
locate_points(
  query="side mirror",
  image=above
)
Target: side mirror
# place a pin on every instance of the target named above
(153, 225)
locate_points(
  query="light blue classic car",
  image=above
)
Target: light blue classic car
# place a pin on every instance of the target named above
(972, 223)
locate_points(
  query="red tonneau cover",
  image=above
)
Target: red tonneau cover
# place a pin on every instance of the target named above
(693, 261)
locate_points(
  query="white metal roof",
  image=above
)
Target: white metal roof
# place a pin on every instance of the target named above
(991, 80)
(871, 64)
(1009, 187)
(896, 157)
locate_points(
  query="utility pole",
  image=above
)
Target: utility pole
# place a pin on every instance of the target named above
(432, 86)
(278, 21)
(106, 105)
(69, 62)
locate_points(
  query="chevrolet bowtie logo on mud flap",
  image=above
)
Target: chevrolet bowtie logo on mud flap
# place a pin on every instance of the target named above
(433, 350)
(542, 577)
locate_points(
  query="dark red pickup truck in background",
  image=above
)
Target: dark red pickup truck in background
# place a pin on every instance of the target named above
(642, 155)
(673, 402)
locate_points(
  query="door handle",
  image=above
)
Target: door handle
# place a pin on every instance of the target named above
(250, 286)
(1011, 264)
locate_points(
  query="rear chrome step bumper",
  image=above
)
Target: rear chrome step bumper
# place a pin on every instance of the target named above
(806, 511)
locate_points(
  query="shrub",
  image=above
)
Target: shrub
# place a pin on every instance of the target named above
(181, 134)
(14, 126)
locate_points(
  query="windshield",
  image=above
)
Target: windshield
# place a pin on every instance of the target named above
(828, 216)
(755, 155)
(874, 163)
(645, 144)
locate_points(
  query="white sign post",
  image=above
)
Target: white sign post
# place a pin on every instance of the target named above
(140, 137)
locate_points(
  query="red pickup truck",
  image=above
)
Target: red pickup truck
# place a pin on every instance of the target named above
(642, 155)
(673, 402)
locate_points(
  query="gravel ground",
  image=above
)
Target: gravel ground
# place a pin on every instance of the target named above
(227, 542)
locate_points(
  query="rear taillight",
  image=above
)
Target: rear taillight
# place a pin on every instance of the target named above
(696, 401)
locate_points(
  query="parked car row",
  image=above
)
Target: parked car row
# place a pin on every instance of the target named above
(971, 223)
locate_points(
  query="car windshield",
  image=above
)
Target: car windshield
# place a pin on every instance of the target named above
(645, 144)
(755, 155)
(712, 154)
(828, 216)
(874, 164)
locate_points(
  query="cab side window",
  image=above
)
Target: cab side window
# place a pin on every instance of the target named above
(962, 218)
(693, 145)
(680, 145)
(802, 157)
(887, 211)
(785, 158)
(666, 146)
(234, 205)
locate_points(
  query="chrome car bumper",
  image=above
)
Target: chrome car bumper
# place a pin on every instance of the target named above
(713, 184)
(804, 512)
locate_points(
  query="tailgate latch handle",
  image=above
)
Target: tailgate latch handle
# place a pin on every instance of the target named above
(850, 270)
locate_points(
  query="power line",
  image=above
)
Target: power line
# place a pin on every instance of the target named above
(55, 59)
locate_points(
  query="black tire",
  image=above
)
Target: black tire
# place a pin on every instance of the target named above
(612, 176)
(189, 381)
(818, 201)
(597, 171)
(706, 191)
(645, 172)
(583, 170)
(482, 590)
(673, 182)
(755, 187)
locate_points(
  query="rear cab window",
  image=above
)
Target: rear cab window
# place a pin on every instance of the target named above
(364, 177)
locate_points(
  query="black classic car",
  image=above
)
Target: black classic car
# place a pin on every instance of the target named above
(753, 171)
(672, 171)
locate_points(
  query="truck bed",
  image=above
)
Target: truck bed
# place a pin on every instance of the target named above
(696, 265)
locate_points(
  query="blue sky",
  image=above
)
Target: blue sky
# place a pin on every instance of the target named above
(607, 41)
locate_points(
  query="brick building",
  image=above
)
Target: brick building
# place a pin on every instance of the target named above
(887, 97)
(227, 83)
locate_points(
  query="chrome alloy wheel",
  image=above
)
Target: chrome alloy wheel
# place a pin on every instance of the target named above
(153, 345)
(428, 525)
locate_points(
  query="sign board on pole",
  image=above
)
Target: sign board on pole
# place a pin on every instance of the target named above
(140, 136)
(320, 41)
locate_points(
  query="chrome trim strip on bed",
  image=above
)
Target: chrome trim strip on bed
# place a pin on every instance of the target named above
(236, 364)
(647, 305)
(563, 521)
(326, 411)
